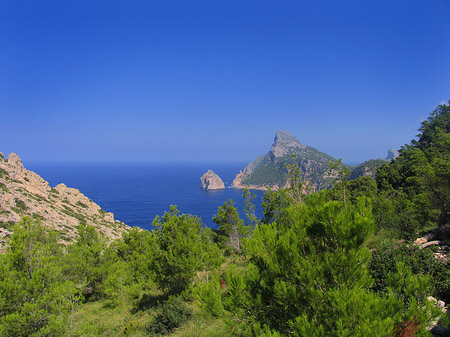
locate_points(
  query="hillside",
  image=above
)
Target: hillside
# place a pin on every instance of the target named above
(269, 170)
(24, 193)
(367, 168)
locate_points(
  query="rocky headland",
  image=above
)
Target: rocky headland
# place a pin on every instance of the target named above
(24, 193)
(211, 181)
(269, 170)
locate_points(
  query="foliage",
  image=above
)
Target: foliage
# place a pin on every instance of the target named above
(361, 187)
(308, 276)
(184, 248)
(249, 208)
(367, 168)
(421, 262)
(342, 173)
(422, 171)
(35, 297)
(85, 262)
(231, 228)
(174, 313)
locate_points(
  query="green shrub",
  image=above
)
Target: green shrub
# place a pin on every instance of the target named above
(421, 262)
(20, 207)
(3, 173)
(80, 204)
(174, 313)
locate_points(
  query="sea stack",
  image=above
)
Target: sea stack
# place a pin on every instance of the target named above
(211, 181)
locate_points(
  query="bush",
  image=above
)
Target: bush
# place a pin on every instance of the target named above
(174, 313)
(421, 262)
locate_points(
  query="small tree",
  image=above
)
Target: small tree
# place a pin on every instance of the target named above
(342, 174)
(231, 228)
(85, 261)
(249, 208)
(184, 249)
(34, 294)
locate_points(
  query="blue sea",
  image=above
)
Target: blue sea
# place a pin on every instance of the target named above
(137, 192)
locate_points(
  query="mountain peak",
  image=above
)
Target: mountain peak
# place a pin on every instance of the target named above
(284, 142)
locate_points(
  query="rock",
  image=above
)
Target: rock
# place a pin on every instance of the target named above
(440, 304)
(211, 181)
(24, 193)
(14, 160)
(285, 143)
(430, 243)
(420, 241)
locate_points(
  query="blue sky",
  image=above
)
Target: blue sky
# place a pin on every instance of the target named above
(214, 80)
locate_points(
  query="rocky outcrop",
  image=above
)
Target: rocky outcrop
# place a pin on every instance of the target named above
(24, 193)
(392, 154)
(285, 144)
(270, 170)
(437, 238)
(211, 181)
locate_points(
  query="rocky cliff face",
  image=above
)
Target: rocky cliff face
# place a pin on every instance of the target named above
(24, 193)
(269, 171)
(211, 181)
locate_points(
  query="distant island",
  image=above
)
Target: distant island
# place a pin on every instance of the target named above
(270, 170)
(211, 181)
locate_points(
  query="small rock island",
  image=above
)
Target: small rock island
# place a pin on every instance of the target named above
(211, 181)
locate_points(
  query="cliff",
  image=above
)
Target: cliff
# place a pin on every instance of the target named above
(24, 193)
(211, 181)
(269, 170)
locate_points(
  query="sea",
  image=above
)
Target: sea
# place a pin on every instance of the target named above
(137, 192)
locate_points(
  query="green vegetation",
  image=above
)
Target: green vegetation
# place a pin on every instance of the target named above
(338, 262)
(267, 173)
(20, 207)
(7, 225)
(184, 247)
(80, 204)
(368, 168)
(3, 173)
(3, 187)
(80, 217)
(231, 229)
(174, 313)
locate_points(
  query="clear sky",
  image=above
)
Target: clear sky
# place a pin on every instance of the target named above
(214, 80)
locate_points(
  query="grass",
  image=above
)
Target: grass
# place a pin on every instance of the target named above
(383, 238)
(98, 319)
(203, 324)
